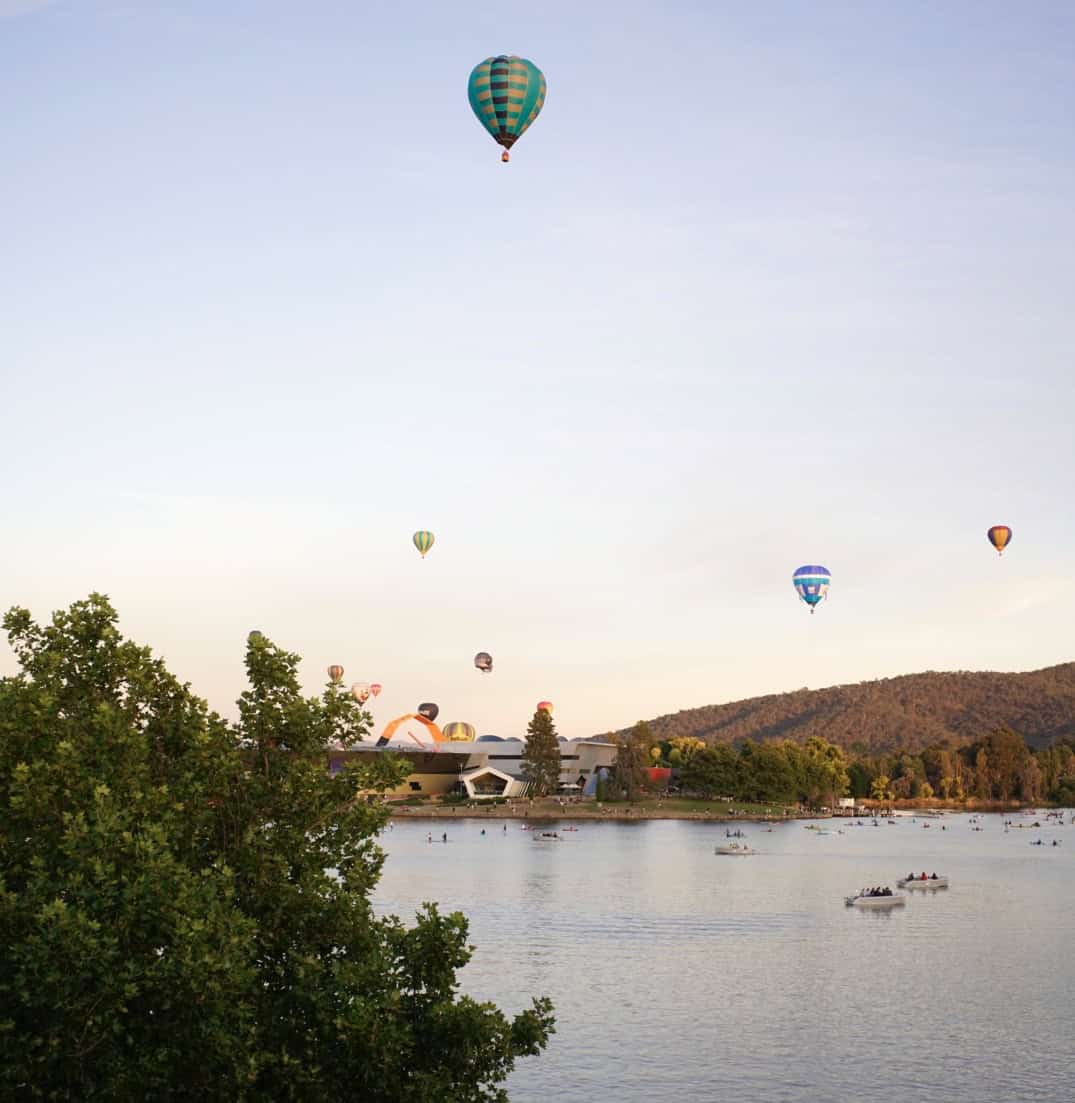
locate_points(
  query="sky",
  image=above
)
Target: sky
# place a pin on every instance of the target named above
(764, 285)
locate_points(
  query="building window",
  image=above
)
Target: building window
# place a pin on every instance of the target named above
(416, 786)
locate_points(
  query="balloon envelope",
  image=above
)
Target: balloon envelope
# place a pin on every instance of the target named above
(544, 706)
(506, 93)
(458, 732)
(483, 661)
(335, 673)
(1000, 537)
(375, 688)
(428, 710)
(423, 541)
(360, 691)
(812, 584)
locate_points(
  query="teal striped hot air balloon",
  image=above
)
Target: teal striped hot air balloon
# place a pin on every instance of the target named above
(506, 93)
(423, 541)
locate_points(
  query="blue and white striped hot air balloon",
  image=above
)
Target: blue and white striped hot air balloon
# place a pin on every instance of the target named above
(812, 584)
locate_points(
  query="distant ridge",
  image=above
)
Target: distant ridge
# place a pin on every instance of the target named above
(906, 713)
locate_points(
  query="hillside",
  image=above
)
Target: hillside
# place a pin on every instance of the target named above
(895, 714)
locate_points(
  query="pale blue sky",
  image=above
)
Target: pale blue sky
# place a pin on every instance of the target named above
(765, 284)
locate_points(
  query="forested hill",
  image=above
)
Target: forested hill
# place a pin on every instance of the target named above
(895, 714)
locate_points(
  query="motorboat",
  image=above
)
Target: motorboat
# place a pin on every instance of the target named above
(734, 849)
(936, 882)
(876, 903)
(546, 836)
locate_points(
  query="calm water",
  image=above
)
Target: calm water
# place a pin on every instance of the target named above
(680, 975)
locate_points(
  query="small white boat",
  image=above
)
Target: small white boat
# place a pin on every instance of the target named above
(546, 836)
(878, 903)
(736, 849)
(918, 883)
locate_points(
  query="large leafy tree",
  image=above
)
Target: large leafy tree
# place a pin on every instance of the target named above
(184, 902)
(632, 758)
(541, 754)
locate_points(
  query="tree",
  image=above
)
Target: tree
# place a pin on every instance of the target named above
(541, 755)
(879, 788)
(629, 770)
(712, 772)
(184, 902)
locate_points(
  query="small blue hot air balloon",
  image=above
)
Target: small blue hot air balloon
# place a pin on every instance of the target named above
(812, 584)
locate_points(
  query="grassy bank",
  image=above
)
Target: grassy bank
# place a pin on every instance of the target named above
(549, 808)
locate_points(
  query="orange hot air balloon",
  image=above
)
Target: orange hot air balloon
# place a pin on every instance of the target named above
(375, 688)
(335, 673)
(1000, 537)
(544, 706)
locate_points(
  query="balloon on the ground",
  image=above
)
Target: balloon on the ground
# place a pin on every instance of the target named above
(375, 688)
(360, 691)
(544, 706)
(458, 732)
(431, 730)
(812, 584)
(1000, 537)
(428, 710)
(423, 541)
(335, 673)
(483, 661)
(506, 93)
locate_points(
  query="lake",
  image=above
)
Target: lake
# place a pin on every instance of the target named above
(681, 975)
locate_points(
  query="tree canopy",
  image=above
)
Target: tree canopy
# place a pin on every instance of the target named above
(185, 902)
(541, 754)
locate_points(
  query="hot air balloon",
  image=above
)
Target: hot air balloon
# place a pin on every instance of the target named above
(335, 673)
(375, 688)
(507, 94)
(812, 584)
(423, 541)
(428, 710)
(255, 634)
(458, 732)
(483, 661)
(544, 706)
(360, 691)
(1000, 537)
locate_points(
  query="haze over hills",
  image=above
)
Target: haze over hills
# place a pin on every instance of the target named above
(906, 713)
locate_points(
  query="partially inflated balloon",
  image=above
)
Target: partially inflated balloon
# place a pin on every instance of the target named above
(1000, 537)
(428, 710)
(335, 673)
(812, 584)
(423, 541)
(544, 706)
(484, 661)
(458, 732)
(507, 94)
(375, 688)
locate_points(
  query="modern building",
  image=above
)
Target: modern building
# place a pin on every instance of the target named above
(488, 767)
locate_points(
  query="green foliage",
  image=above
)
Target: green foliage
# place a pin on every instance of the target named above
(712, 772)
(541, 755)
(632, 758)
(184, 902)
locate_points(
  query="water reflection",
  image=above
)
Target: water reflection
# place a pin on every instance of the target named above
(679, 974)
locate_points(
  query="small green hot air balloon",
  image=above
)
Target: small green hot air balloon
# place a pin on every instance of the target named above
(507, 94)
(423, 541)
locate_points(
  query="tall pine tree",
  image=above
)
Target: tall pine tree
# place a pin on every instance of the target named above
(541, 755)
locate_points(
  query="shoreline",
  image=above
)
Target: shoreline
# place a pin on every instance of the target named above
(645, 811)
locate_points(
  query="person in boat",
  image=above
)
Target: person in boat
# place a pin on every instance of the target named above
(923, 877)
(909, 877)
(933, 877)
